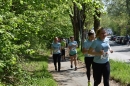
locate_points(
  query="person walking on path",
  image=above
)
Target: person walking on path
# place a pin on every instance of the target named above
(88, 57)
(101, 65)
(63, 45)
(56, 51)
(73, 52)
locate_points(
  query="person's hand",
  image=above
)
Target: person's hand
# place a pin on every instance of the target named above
(111, 51)
(101, 52)
(51, 53)
(86, 51)
(71, 47)
(74, 45)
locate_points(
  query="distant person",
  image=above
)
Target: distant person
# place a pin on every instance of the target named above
(73, 52)
(56, 51)
(127, 38)
(88, 57)
(101, 65)
(67, 42)
(63, 45)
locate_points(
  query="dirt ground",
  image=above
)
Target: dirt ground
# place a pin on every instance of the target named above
(69, 77)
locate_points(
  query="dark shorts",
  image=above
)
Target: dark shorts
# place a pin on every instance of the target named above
(72, 54)
(63, 52)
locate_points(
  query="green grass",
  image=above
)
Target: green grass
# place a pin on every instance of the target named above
(38, 74)
(80, 55)
(120, 71)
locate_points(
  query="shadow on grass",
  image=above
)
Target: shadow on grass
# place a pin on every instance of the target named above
(50, 59)
(37, 58)
(41, 74)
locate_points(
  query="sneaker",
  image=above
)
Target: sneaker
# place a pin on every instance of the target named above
(58, 70)
(71, 66)
(89, 83)
(55, 69)
(75, 68)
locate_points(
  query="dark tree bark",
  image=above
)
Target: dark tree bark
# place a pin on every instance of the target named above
(78, 20)
(82, 22)
(74, 21)
(128, 11)
(96, 20)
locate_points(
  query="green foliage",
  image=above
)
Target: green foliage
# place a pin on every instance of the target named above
(118, 16)
(27, 26)
(80, 55)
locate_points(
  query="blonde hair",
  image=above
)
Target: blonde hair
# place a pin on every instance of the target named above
(98, 31)
(55, 38)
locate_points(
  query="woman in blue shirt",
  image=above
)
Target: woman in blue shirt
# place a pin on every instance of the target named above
(56, 51)
(73, 52)
(88, 58)
(99, 49)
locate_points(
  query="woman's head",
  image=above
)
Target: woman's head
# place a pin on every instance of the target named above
(91, 35)
(72, 38)
(56, 39)
(101, 33)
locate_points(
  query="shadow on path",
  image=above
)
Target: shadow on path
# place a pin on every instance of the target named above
(126, 50)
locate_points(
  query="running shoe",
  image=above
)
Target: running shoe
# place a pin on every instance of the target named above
(75, 68)
(89, 83)
(71, 66)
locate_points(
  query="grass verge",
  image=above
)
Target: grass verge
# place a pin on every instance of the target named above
(37, 73)
(120, 71)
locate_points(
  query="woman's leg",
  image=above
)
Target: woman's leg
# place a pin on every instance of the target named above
(55, 60)
(75, 61)
(59, 61)
(63, 54)
(88, 62)
(71, 61)
(106, 74)
(97, 73)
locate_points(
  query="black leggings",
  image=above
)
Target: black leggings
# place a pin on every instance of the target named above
(63, 52)
(100, 70)
(57, 58)
(88, 63)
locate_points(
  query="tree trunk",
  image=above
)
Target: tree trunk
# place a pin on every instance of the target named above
(82, 18)
(74, 20)
(128, 11)
(78, 22)
(96, 20)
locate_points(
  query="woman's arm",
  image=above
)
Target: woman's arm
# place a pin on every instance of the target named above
(51, 50)
(92, 52)
(110, 48)
(69, 47)
(60, 49)
(84, 51)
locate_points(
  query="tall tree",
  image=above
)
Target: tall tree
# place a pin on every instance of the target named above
(78, 19)
(118, 14)
(81, 10)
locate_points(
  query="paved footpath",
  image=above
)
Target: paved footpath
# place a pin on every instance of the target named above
(69, 77)
(119, 57)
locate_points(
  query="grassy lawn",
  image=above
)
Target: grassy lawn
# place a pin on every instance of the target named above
(38, 74)
(120, 71)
